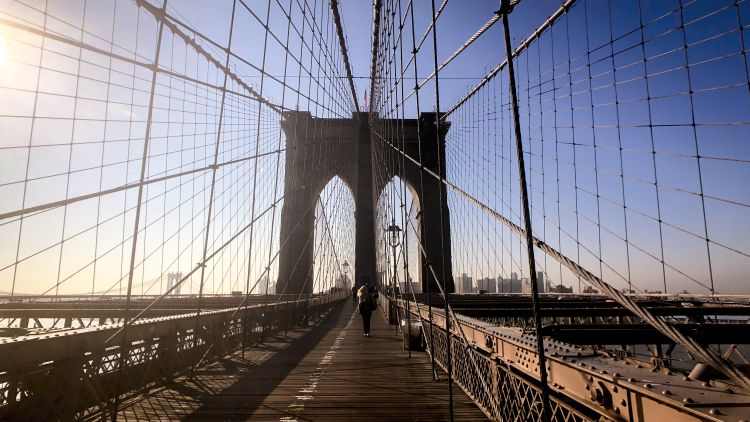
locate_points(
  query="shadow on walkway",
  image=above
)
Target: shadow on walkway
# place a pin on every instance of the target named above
(254, 383)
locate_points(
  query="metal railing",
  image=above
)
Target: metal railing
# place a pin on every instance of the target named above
(79, 374)
(585, 385)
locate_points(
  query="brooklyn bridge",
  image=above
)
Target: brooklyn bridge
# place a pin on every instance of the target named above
(542, 205)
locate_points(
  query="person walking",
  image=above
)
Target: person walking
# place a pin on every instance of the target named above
(367, 297)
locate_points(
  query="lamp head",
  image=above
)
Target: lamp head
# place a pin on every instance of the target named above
(394, 232)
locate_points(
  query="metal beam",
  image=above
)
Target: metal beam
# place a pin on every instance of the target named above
(618, 334)
(583, 382)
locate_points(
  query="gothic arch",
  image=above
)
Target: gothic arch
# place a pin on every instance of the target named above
(318, 150)
(415, 257)
(335, 213)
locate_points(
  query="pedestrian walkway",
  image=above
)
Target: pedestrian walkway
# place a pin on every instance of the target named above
(327, 372)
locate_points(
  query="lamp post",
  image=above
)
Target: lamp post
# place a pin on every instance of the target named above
(345, 267)
(394, 239)
(345, 271)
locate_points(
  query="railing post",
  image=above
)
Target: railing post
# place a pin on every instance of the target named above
(505, 9)
(169, 354)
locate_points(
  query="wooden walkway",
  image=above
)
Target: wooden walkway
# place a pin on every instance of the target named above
(328, 372)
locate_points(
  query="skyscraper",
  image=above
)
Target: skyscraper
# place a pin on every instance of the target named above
(265, 285)
(509, 285)
(526, 283)
(540, 282)
(465, 284)
(487, 284)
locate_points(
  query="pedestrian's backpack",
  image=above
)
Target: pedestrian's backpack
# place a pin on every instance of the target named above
(372, 300)
(366, 301)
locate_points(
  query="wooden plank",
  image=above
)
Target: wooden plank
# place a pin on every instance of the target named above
(328, 372)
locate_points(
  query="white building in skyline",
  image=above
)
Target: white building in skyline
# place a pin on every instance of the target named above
(465, 284)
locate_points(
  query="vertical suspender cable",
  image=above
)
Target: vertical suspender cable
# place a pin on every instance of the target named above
(255, 177)
(449, 360)
(402, 162)
(213, 179)
(505, 9)
(136, 223)
(276, 182)
(424, 265)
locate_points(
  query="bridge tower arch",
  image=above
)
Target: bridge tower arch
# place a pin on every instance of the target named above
(335, 232)
(398, 203)
(319, 149)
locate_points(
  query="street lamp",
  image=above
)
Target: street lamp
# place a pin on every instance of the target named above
(395, 235)
(394, 239)
(345, 267)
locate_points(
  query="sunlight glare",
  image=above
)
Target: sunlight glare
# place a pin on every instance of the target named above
(2, 51)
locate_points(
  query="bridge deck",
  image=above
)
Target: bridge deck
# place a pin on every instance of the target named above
(326, 373)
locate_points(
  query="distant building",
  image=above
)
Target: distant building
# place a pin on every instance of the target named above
(590, 290)
(560, 289)
(487, 284)
(526, 283)
(540, 281)
(265, 285)
(465, 284)
(509, 285)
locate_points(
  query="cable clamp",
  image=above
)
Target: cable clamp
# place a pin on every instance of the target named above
(505, 7)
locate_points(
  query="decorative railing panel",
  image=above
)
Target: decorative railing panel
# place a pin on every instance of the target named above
(498, 367)
(79, 373)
